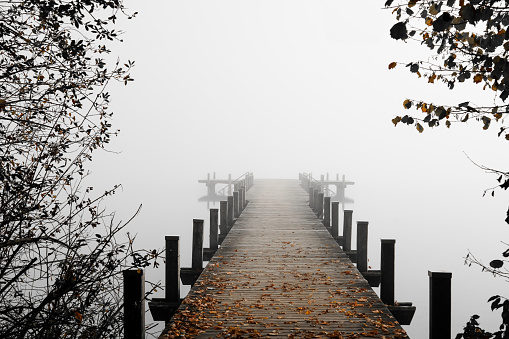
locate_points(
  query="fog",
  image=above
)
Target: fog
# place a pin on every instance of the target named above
(281, 87)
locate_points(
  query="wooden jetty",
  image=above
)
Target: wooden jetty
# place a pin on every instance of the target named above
(279, 273)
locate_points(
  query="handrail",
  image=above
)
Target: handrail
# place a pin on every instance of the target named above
(221, 191)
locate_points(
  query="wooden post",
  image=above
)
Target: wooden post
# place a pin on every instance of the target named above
(362, 246)
(213, 236)
(335, 219)
(387, 259)
(241, 199)
(229, 184)
(326, 212)
(172, 271)
(319, 212)
(236, 204)
(347, 230)
(230, 212)
(321, 183)
(134, 304)
(439, 305)
(223, 225)
(311, 197)
(197, 255)
(315, 200)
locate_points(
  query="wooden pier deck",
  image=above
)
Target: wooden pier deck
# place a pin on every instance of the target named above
(280, 274)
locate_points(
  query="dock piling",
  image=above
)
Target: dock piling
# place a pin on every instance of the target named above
(387, 267)
(230, 212)
(162, 309)
(327, 212)
(134, 304)
(347, 230)
(236, 203)
(213, 235)
(172, 270)
(362, 246)
(439, 305)
(223, 224)
(197, 254)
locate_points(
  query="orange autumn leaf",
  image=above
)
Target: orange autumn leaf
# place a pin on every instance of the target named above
(392, 65)
(78, 316)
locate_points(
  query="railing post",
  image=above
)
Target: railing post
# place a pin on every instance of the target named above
(362, 246)
(213, 236)
(387, 258)
(134, 304)
(223, 225)
(326, 212)
(172, 271)
(439, 305)
(236, 204)
(230, 212)
(241, 199)
(197, 254)
(347, 230)
(311, 197)
(335, 219)
(315, 200)
(320, 205)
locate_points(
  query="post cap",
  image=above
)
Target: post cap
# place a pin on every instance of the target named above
(172, 237)
(440, 275)
(388, 241)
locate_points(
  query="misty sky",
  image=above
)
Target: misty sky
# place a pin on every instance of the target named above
(281, 87)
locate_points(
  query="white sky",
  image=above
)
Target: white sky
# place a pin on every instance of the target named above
(281, 87)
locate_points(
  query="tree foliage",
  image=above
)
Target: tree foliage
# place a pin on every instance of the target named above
(60, 254)
(470, 43)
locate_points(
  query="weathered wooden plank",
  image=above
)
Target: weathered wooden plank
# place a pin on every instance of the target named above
(279, 273)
